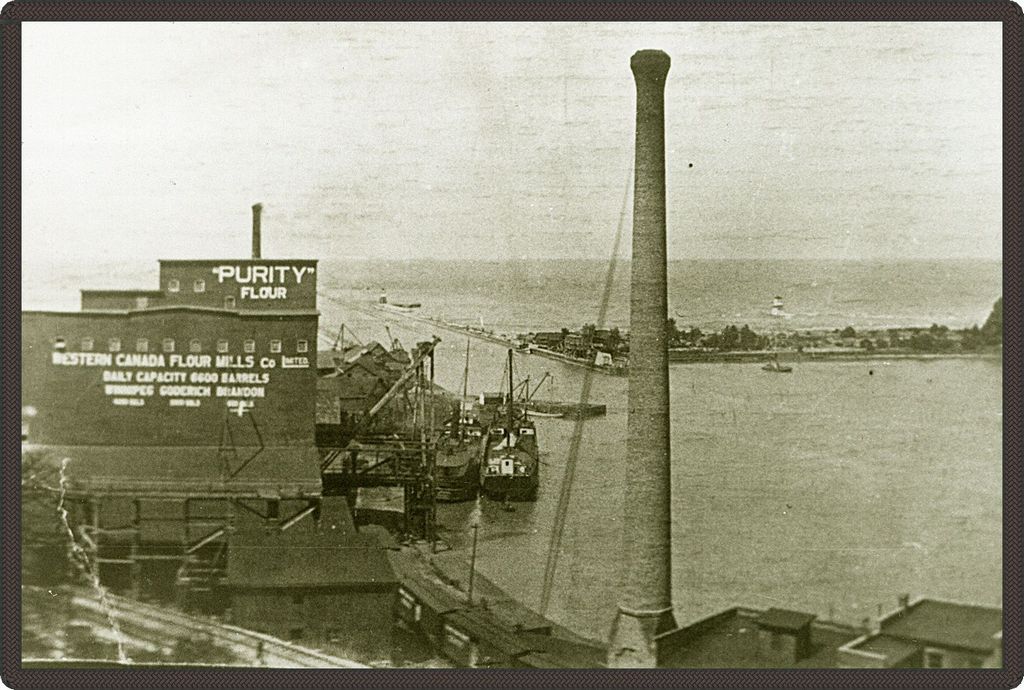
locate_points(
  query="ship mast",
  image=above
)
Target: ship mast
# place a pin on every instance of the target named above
(508, 431)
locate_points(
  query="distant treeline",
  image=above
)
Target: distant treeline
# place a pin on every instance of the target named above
(934, 338)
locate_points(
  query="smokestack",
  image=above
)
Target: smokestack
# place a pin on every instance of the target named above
(645, 602)
(257, 209)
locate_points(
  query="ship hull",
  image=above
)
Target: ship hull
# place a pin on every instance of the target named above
(455, 492)
(501, 488)
(457, 471)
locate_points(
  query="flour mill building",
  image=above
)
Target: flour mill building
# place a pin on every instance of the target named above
(167, 416)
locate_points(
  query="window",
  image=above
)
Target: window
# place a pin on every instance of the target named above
(249, 346)
(222, 346)
(295, 634)
(199, 286)
(173, 285)
(59, 344)
(141, 302)
(114, 344)
(409, 603)
(933, 658)
(229, 302)
(275, 345)
(302, 346)
(168, 344)
(195, 345)
(87, 344)
(455, 637)
(142, 345)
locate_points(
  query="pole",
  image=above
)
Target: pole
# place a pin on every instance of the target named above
(423, 440)
(431, 464)
(432, 396)
(472, 563)
(465, 380)
(508, 432)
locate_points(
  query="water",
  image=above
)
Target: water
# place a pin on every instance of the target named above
(705, 293)
(829, 490)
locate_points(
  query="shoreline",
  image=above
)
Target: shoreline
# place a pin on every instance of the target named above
(686, 356)
(792, 356)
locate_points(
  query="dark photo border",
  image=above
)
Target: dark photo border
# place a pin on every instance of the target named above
(1009, 15)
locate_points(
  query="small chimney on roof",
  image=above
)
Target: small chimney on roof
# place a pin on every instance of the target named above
(257, 209)
(904, 602)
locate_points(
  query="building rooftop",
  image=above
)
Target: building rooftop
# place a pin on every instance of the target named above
(203, 262)
(784, 619)
(889, 647)
(305, 555)
(432, 594)
(329, 359)
(549, 651)
(730, 640)
(947, 624)
(170, 308)
(129, 292)
(483, 627)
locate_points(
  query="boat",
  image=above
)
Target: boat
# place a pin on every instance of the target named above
(774, 366)
(403, 307)
(460, 451)
(567, 410)
(549, 415)
(512, 465)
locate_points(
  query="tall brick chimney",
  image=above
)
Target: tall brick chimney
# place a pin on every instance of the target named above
(645, 602)
(257, 209)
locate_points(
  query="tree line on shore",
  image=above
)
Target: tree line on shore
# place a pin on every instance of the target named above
(934, 338)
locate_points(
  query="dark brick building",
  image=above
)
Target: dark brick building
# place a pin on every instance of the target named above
(318, 583)
(162, 413)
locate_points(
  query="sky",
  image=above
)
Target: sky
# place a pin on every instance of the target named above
(507, 141)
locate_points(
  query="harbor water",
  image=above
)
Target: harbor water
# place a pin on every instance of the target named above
(832, 489)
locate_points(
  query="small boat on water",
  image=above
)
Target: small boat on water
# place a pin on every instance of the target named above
(548, 415)
(564, 410)
(773, 365)
(404, 307)
(512, 464)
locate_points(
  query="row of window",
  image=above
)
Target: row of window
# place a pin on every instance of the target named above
(174, 285)
(168, 345)
(199, 286)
